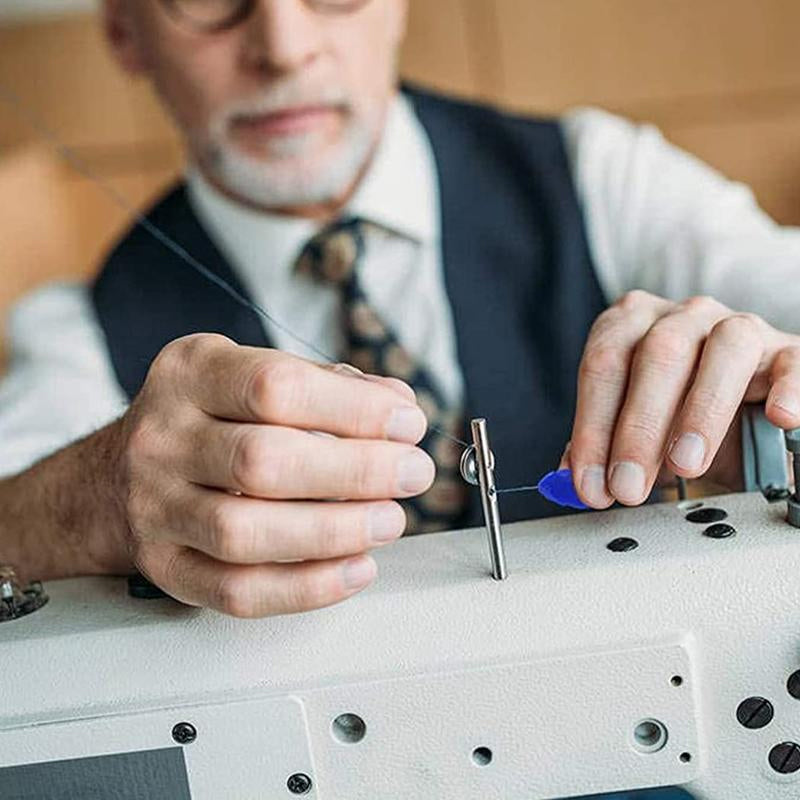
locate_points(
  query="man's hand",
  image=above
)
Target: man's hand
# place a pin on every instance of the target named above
(660, 384)
(225, 483)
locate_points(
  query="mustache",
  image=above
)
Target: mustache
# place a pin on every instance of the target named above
(279, 97)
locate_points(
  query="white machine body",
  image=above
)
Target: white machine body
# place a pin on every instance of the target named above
(586, 671)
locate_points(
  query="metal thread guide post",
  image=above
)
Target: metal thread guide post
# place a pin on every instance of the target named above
(477, 468)
(792, 439)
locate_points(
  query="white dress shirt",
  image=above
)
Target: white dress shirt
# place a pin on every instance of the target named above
(657, 219)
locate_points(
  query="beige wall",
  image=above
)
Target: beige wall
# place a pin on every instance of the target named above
(721, 77)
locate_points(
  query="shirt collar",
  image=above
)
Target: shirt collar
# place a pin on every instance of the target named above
(398, 191)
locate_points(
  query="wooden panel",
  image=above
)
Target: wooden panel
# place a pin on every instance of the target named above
(762, 153)
(65, 75)
(557, 53)
(436, 48)
(60, 225)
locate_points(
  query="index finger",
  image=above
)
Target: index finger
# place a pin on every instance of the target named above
(252, 384)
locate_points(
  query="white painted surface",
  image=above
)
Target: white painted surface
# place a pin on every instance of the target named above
(552, 669)
(20, 10)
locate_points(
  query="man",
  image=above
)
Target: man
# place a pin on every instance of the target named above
(471, 254)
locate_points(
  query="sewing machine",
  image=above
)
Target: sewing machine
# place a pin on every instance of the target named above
(630, 648)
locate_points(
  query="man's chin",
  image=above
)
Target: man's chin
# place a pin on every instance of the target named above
(289, 183)
(306, 177)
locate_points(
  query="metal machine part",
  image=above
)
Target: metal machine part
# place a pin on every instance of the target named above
(763, 455)
(600, 667)
(484, 460)
(792, 439)
(15, 601)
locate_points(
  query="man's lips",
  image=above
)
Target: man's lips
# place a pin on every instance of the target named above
(285, 122)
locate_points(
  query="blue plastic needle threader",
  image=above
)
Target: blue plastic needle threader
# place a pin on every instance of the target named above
(558, 487)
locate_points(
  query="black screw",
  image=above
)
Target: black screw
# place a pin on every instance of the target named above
(622, 545)
(755, 712)
(707, 515)
(184, 733)
(793, 685)
(719, 531)
(299, 783)
(773, 494)
(141, 588)
(785, 758)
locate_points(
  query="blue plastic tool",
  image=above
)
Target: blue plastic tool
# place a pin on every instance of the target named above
(558, 488)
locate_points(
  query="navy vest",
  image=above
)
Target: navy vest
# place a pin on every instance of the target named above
(518, 273)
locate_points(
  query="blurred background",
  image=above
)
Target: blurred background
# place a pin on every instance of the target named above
(720, 77)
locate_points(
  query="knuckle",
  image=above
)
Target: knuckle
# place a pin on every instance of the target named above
(272, 391)
(138, 508)
(250, 466)
(634, 299)
(367, 474)
(339, 532)
(667, 344)
(233, 596)
(702, 303)
(182, 354)
(229, 536)
(738, 328)
(303, 592)
(708, 409)
(144, 442)
(641, 436)
(604, 362)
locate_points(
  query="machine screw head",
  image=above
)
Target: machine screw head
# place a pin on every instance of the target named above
(299, 783)
(184, 733)
(707, 515)
(773, 494)
(785, 758)
(622, 545)
(755, 713)
(719, 531)
(793, 685)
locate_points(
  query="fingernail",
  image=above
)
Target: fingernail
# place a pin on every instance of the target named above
(415, 472)
(386, 522)
(788, 404)
(347, 369)
(627, 482)
(688, 452)
(593, 484)
(406, 424)
(358, 572)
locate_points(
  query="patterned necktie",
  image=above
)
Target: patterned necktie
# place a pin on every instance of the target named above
(333, 256)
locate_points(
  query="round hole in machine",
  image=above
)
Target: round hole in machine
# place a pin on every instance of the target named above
(349, 728)
(649, 736)
(676, 680)
(685, 757)
(482, 756)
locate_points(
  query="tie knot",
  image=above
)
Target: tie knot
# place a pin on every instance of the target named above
(331, 255)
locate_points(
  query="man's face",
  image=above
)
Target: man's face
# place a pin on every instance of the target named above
(283, 108)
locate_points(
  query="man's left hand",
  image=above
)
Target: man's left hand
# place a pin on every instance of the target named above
(659, 386)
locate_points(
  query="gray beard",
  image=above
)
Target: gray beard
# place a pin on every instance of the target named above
(285, 180)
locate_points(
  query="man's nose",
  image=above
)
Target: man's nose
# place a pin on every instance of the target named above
(282, 36)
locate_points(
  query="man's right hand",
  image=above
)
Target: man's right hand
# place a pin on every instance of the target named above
(226, 486)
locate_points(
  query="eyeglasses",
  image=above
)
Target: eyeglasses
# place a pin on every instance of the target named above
(212, 16)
